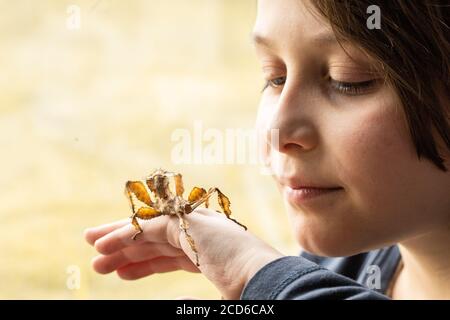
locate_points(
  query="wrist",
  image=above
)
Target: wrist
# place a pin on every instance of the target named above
(260, 258)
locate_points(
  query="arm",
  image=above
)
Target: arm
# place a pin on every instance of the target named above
(300, 279)
(238, 263)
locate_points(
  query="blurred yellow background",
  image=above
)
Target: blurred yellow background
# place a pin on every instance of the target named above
(90, 94)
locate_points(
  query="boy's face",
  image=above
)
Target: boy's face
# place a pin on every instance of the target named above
(342, 129)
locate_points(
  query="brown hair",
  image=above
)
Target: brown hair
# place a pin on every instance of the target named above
(413, 47)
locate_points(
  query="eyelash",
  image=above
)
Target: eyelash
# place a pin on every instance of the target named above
(271, 83)
(352, 88)
(347, 88)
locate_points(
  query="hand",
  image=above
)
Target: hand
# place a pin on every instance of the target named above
(228, 255)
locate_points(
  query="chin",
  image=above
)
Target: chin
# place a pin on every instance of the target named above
(324, 237)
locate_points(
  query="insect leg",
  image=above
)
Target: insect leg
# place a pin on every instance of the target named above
(198, 196)
(184, 226)
(144, 213)
(136, 225)
(179, 187)
(224, 203)
(137, 190)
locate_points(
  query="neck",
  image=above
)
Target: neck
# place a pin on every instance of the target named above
(426, 267)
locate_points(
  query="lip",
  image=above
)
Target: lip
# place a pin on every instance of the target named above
(301, 191)
(304, 194)
(298, 181)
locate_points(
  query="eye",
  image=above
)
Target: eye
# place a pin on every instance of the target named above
(275, 83)
(353, 88)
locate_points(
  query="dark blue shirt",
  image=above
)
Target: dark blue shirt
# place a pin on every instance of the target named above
(362, 276)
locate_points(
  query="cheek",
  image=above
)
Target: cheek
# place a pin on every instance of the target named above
(374, 154)
(373, 149)
(389, 190)
(371, 155)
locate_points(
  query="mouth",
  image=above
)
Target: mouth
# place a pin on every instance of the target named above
(304, 193)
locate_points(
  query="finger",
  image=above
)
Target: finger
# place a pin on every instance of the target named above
(159, 265)
(94, 233)
(147, 251)
(155, 230)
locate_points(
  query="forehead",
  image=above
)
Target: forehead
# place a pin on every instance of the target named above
(284, 22)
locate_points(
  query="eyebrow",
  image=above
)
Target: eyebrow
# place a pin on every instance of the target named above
(321, 39)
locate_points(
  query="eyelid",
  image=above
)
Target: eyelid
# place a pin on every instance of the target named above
(352, 74)
(354, 88)
(273, 71)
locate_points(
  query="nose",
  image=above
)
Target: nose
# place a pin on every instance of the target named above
(293, 119)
